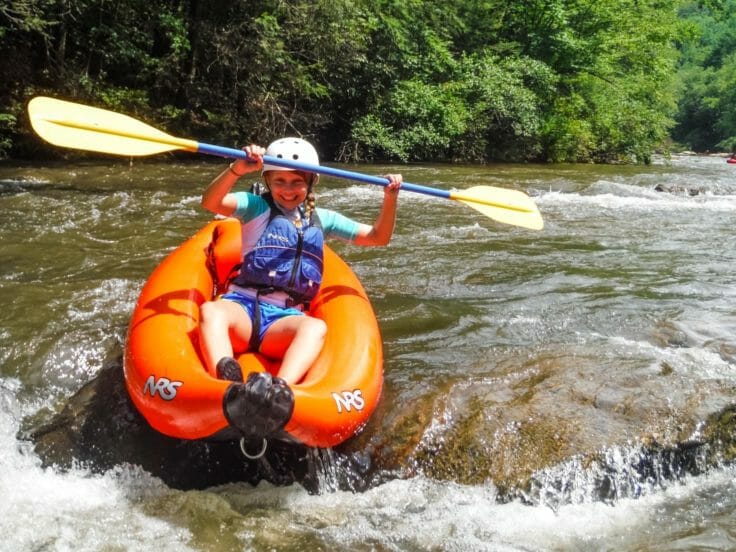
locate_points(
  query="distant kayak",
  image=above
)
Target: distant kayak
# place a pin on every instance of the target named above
(170, 386)
(732, 161)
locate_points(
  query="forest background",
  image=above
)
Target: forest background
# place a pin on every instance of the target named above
(387, 80)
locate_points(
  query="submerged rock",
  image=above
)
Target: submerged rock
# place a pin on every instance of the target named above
(100, 427)
(557, 430)
(550, 431)
(676, 189)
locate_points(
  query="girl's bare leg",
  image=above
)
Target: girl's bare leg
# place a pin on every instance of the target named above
(222, 326)
(298, 340)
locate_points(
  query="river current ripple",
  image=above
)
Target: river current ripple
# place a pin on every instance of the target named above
(457, 296)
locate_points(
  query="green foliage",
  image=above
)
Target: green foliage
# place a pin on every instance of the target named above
(553, 79)
(23, 15)
(568, 135)
(706, 118)
(507, 99)
(410, 80)
(7, 122)
(420, 122)
(726, 90)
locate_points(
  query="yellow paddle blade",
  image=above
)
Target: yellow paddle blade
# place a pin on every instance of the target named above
(93, 129)
(507, 206)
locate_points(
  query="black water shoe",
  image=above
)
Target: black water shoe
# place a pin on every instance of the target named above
(229, 369)
(260, 407)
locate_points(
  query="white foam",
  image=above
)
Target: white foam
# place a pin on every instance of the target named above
(640, 203)
(422, 514)
(45, 509)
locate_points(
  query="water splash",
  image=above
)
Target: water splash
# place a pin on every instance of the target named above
(330, 471)
(614, 474)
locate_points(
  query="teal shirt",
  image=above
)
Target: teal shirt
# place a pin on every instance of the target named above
(254, 212)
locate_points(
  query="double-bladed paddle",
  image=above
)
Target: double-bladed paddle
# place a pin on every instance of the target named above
(78, 126)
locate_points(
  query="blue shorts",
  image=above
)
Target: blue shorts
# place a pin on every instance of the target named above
(269, 313)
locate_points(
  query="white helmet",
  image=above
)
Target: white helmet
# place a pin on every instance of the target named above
(292, 149)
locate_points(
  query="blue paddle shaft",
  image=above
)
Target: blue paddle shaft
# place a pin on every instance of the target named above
(321, 169)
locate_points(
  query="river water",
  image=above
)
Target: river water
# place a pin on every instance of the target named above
(616, 257)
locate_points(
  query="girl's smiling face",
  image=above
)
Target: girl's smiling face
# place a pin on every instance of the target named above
(288, 188)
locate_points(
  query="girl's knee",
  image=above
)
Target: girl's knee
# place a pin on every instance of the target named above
(211, 312)
(206, 310)
(317, 328)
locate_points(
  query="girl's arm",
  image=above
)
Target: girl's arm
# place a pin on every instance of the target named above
(217, 197)
(382, 230)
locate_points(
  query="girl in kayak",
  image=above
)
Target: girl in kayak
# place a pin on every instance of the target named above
(283, 235)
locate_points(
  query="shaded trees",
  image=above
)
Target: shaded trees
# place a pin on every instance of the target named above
(706, 117)
(560, 80)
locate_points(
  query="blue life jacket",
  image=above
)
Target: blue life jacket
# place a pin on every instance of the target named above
(285, 258)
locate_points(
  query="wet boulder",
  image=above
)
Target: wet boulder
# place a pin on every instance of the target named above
(100, 427)
(680, 190)
(552, 429)
(557, 429)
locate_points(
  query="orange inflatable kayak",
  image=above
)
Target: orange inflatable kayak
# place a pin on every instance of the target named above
(168, 383)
